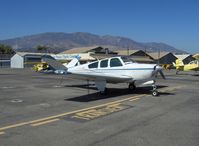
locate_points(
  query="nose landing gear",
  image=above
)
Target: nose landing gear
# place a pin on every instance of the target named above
(154, 90)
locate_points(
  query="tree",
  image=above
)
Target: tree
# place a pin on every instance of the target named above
(6, 49)
(42, 48)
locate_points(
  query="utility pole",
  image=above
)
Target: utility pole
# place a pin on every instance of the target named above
(158, 56)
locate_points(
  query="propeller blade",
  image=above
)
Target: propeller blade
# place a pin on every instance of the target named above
(162, 75)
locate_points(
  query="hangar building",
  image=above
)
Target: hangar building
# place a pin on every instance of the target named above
(25, 59)
(5, 60)
(98, 52)
(186, 58)
(137, 55)
(163, 57)
(65, 58)
(90, 53)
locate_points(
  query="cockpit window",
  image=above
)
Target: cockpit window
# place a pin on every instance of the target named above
(115, 62)
(126, 59)
(104, 63)
(93, 65)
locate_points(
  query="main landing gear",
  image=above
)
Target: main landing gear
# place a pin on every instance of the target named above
(132, 86)
(105, 92)
(154, 90)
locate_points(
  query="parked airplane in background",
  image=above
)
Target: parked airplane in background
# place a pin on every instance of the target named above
(110, 70)
(191, 66)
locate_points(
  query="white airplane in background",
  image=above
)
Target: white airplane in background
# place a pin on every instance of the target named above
(110, 70)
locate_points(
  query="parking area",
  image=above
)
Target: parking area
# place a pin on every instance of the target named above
(45, 109)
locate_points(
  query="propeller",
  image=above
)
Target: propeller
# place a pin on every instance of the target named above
(162, 75)
(157, 70)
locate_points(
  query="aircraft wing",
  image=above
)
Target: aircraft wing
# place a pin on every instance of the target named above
(109, 77)
(196, 56)
(53, 63)
(195, 69)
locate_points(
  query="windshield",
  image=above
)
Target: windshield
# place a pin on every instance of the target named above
(127, 60)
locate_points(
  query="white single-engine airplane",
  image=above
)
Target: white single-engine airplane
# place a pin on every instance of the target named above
(110, 70)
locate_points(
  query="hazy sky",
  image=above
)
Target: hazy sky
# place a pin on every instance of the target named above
(175, 22)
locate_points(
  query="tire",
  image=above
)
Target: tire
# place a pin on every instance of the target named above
(132, 87)
(105, 92)
(155, 93)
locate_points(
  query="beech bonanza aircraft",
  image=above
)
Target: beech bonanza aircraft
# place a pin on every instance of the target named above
(110, 70)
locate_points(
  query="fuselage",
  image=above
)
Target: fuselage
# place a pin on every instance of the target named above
(108, 69)
(192, 66)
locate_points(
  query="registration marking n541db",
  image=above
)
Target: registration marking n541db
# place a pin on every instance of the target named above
(98, 112)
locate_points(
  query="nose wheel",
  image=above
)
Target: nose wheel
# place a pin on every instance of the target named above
(155, 91)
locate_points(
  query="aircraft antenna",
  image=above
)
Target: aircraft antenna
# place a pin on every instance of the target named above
(159, 56)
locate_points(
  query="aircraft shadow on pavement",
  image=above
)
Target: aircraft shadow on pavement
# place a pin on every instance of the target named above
(85, 86)
(8, 74)
(112, 93)
(165, 93)
(196, 75)
(187, 73)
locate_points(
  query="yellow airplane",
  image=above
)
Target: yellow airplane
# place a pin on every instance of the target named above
(43, 66)
(191, 66)
(40, 66)
(196, 56)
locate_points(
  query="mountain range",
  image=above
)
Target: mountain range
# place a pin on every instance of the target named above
(58, 42)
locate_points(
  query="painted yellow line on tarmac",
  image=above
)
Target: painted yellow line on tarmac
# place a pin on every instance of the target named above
(134, 99)
(99, 112)
(1, 133)
(44, 122)
(13, 126)
(64, 114)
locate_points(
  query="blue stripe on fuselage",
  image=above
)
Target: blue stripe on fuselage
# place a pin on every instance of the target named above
(125, 69)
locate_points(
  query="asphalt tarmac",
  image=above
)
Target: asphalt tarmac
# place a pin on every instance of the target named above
(51, 110)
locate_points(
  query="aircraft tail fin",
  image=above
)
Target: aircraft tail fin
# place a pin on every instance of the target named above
(174, 64)
(57, 66)
(179, 63)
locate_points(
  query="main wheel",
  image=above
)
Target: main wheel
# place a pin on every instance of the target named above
(132, 86)
(105, 92)
(155, 93)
